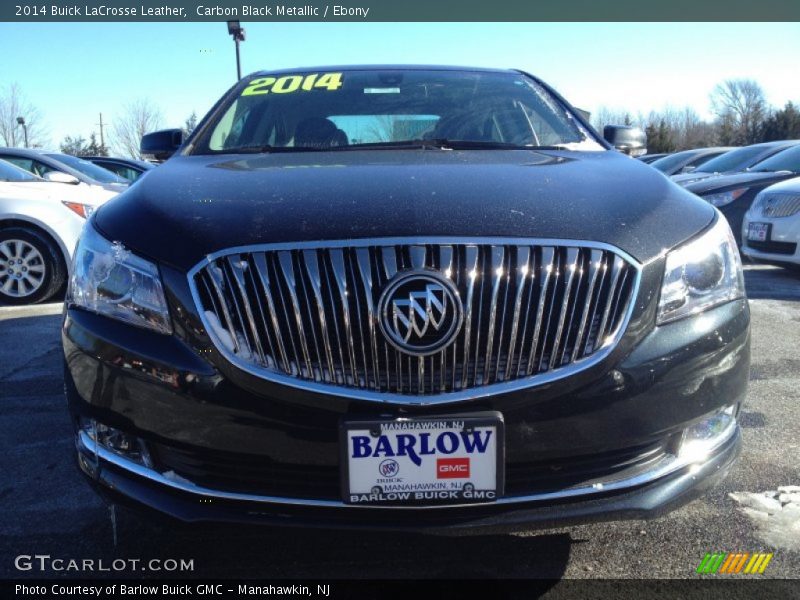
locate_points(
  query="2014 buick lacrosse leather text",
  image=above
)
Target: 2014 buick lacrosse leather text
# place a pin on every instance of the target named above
(389, 297)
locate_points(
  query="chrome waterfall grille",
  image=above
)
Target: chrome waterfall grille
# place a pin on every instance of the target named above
(308, 314)
(780, 205)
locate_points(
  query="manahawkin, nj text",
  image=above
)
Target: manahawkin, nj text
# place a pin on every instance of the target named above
(201, 10)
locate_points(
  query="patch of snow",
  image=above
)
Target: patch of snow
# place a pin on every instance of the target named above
(775, 513)
(222, 334)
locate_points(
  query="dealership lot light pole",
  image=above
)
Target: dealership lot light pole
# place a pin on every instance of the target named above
(237, 32)
(21, 121)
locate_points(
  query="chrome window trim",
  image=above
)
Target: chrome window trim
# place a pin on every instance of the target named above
(404, 399)
(667, 466)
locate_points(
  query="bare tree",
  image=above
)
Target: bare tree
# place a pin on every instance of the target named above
(610, 116)
(741, 109)
(14, 105)
(138, 117)
(189, 124)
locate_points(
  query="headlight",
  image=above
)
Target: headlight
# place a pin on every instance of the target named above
(757, 205)
(703, 273)
(724, 198)
(82, 210)
(109, 280)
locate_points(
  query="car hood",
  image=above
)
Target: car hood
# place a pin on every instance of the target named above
(195, 205)
(725, 182)
(788, 186)
(46, 190)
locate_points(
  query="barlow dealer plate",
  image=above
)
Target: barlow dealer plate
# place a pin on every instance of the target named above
(758, 232)
(457, 459)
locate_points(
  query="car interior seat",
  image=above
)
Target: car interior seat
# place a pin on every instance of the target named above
(319, 132)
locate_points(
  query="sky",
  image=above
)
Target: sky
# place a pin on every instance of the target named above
(74, 71)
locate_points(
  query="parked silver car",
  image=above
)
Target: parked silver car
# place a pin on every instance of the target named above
(40, 222)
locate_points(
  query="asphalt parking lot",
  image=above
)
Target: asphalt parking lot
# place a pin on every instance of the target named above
(48, 509)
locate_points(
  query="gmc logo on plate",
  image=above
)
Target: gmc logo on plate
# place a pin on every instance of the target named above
(452, 468)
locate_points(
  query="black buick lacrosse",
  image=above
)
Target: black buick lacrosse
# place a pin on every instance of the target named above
(403, 297)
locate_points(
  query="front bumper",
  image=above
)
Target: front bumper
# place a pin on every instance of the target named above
(648, 495)
(600, 444)
(783, 245)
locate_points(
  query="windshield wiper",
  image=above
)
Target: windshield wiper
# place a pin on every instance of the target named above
(436, 144)
(267, 149)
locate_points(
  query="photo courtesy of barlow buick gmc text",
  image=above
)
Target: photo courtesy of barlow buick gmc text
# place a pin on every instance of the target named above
(379, 300)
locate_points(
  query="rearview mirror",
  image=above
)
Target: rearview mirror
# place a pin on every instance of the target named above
(161, 144)
(59, 177)
(628, 140)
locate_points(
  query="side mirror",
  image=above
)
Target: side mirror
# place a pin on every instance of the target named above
(628, 140)
(59, 177)
(161, 144)
(688, 169)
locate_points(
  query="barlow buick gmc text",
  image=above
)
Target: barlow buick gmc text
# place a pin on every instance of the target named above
(404, 297)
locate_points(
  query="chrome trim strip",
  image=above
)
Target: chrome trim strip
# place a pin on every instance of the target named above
(594, 269)
(362, 257)
(615, 271)
(573, 254)
(544, 280)
(471, 271)
(498, 260)
(523, 268)
(390, 265)
(287, 267)
(665, 467)
(337, 261)
(311, 258)
(235, 263)
(263, 275)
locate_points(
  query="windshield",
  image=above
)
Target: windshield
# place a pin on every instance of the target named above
(87, 168)
(376, 108)
(9, 172)
(735, 160)
(786, 160)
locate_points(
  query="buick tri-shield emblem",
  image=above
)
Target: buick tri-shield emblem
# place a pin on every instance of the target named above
(420, 312)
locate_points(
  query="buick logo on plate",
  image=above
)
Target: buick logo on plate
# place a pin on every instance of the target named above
(389, 468)
(420, 312)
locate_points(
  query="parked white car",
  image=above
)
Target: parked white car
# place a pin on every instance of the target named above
(771, 227)
(40, 222)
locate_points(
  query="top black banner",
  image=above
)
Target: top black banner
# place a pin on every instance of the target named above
(400, 11)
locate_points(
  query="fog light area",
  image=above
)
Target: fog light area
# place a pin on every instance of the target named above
(702, 438)
(116, 441)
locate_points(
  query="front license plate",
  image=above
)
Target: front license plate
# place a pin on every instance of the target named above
(433, 460)
(758, 232)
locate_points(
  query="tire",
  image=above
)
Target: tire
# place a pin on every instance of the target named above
(41, 273)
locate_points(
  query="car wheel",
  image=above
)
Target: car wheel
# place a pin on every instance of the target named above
(31, 267)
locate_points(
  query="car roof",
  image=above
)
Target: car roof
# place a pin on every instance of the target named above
(48, 159)
(26, 152)
(777, 144)
(345, 68)
(700, 151)
(121, 161)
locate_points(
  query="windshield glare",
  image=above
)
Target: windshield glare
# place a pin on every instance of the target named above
(787, 160)
(336, 110)
(734, 160)
(9, 172)
(671, 161)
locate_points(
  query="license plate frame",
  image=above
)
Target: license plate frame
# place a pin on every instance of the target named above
(759, 232)
(472, 422)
